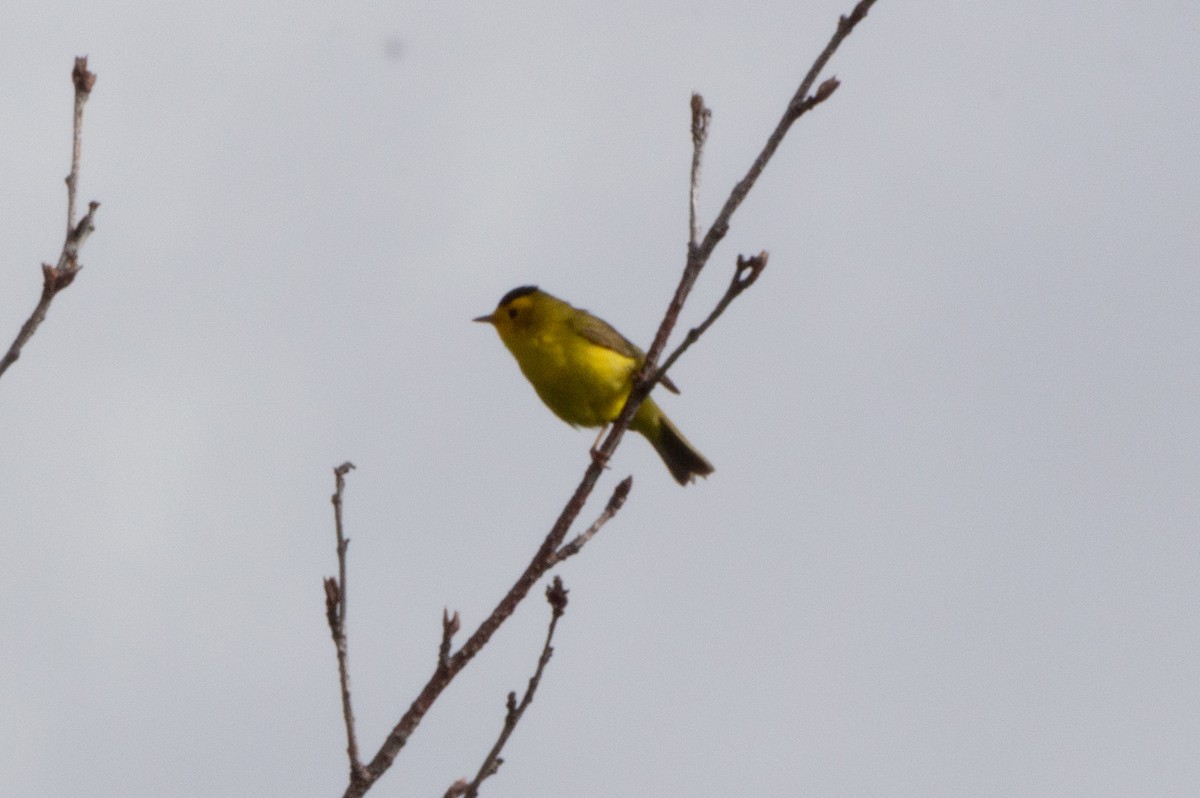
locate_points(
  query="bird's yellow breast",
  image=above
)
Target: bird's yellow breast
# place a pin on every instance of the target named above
(583, 383)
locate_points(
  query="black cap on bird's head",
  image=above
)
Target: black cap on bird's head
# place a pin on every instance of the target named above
(523, 290)
(516, 293)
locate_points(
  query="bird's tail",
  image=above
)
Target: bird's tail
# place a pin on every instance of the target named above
(683, 460)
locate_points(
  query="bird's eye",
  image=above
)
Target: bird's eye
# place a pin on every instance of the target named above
(512, 313)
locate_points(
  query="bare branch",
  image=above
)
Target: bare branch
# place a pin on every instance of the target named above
(747, 271)
(620, 493)
(698, 255)
(701, 116)
(556, 594)
(542, 561)
(56, 278)
(335, 613)
(83, 80)
(800, 104)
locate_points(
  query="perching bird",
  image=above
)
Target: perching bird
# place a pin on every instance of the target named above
(583, 370)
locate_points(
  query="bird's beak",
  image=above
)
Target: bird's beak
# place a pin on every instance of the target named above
(485, 319)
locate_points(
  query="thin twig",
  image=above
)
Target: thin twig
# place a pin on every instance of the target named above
(450, 626)
(556, 594)
(542, 561)
(698, 255)
(701, 116)
(747, 271)
(800, 104)
(335, 613)
(56, 278)
(83, 80)
(546, 554)
(620, 493)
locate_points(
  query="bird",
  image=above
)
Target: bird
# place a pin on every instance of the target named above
(583, 370)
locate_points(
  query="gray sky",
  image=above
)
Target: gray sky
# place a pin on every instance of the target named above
(950, 546)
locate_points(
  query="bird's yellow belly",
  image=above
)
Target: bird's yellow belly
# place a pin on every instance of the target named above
(584, 384)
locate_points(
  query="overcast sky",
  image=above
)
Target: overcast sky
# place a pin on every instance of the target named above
(950, 547)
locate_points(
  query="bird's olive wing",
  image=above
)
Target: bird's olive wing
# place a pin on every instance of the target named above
(601, 333)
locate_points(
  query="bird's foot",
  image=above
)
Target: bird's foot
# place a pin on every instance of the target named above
(599, 457)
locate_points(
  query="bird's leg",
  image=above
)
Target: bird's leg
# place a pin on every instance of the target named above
(597, 455)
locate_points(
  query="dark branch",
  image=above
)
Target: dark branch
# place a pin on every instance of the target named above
(747, 271)
(556, 594)
(800, 104)
(335, 613)
(698, 255)
(620, 493)
(450, 666)
(701, 116)
(56, 278)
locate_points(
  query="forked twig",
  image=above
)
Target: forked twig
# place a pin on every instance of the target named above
(747, 271)
(556, 594)
(699, 254)
(56, 278)
(450, 664)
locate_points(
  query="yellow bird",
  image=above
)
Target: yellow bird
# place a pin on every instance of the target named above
(583, 370)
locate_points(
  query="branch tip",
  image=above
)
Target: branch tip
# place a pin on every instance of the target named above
(700, 119)
(619, 495)
(83, 79)
(846, 23)
(450, 626)
(701, 115)
(556, 594)
(749, 267)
